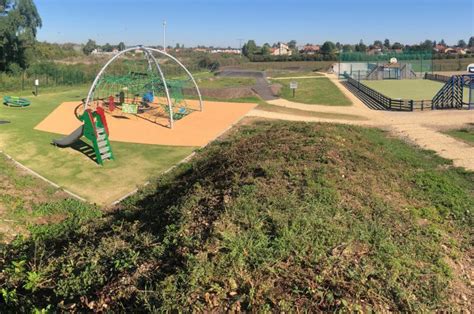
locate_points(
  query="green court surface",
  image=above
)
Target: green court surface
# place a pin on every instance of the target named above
(408, 89)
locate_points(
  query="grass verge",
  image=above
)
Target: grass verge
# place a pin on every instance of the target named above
(466, 135)
(26, 201)
(278, 216)
(307, 113)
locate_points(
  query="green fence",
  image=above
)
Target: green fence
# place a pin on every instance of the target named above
(421, 62)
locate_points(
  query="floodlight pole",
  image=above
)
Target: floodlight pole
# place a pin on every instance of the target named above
(164, 35)
(240, 46)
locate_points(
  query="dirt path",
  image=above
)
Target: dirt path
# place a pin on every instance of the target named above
(420, 128)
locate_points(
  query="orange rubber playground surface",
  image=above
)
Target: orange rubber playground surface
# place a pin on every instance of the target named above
(196, 129)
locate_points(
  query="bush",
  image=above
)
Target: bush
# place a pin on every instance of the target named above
(14, 69)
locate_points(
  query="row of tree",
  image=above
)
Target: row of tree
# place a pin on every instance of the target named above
(250, 49)
(91, 45)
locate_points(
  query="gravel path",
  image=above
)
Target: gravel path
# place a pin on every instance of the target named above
(420, 128)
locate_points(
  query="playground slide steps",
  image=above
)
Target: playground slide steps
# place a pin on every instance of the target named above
(95, 129)
(102, 144)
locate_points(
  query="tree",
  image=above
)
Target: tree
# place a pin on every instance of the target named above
(250, 48)
(397, 45)
(471, 42)
(207, 63)
(347, 48)
(386, 43)
(107, 47)
(89, 47)
(338, 46)
(19, 22)
(328, 48)
(462, 44)
(442, 43)
(426, 45)
(292, 44)
(266, 49)
(378, 43)
(361, 47)
(121, 46)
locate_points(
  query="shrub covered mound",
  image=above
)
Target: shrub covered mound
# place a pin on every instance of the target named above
(275, 216)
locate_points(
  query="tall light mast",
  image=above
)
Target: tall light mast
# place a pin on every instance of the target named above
(164, 35)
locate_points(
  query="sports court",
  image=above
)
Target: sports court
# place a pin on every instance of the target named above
(417, 89)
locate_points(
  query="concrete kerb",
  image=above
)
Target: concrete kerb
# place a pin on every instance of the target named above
(34, 173)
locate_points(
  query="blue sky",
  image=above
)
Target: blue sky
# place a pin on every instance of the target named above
(223, 22)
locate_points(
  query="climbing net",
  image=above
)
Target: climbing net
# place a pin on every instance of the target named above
(135, 84)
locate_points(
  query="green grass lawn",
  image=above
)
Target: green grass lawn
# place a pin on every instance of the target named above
(465, 135)
(70, 169)
(276, 217)
(318, 91)
(223, 82)
(407, 89)
(286, 74)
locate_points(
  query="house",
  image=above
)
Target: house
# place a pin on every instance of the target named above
(310, 49)
(440, 48)
(100, 52)
(450, 51)
(200, 49)
(281, 50)
(461, 51)
(227, 51)
(374, 51)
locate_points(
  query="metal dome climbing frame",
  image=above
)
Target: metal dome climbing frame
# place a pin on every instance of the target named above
(152, 61)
